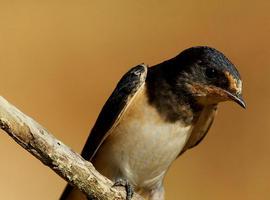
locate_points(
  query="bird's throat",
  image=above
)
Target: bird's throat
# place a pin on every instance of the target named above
(172, 105)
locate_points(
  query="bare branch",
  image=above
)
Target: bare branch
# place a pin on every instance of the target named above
(56, 155)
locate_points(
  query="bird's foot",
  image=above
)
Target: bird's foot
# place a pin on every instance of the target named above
(127, 185)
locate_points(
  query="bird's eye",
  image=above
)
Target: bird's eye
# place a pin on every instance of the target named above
(211, 73)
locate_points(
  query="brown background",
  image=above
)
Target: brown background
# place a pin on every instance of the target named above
(60, 60)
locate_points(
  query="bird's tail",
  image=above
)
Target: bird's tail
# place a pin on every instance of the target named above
(71, 193)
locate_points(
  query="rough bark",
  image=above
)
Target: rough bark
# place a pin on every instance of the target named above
(56, 155)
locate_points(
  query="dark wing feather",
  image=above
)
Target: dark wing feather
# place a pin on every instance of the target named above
(201, 128)
(115, 106)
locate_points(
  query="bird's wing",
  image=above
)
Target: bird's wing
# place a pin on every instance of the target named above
(113, 109)
(201, 128)
(110, 115)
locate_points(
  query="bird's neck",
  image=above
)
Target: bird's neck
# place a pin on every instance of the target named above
(173, 106)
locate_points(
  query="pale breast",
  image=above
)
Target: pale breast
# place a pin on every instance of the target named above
(142, 146)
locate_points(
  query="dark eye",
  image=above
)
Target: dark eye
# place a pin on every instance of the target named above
(211, 73)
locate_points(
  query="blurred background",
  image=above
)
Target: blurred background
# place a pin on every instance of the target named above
(60, 60)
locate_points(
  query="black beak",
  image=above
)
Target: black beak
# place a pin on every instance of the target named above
(238, 99)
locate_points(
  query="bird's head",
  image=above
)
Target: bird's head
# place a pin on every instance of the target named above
(207, 76)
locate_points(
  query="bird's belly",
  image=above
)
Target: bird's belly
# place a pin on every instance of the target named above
(141, 148)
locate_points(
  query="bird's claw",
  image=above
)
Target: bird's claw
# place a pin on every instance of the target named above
(127, 185)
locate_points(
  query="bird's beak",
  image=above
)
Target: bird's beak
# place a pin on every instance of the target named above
(237, 98)
(212, 94)
(235, 90)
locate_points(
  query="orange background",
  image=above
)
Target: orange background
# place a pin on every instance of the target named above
(60, 60)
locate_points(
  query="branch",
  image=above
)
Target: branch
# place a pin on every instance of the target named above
(56, 155)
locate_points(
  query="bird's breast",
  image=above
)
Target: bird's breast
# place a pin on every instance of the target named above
(142, 146)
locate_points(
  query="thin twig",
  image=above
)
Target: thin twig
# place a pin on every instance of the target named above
(56, 155)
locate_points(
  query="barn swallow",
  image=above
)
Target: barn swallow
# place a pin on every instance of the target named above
(154, 115)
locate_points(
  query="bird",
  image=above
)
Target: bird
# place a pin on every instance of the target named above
(154, 115)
